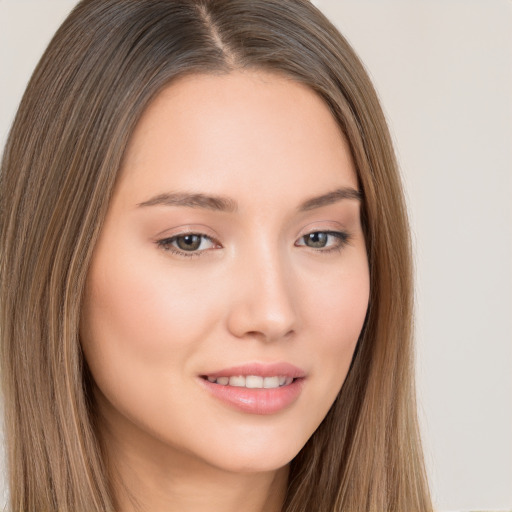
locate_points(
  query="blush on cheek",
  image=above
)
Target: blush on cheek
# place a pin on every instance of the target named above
(342, 319)
(144, 313)
(343, 308)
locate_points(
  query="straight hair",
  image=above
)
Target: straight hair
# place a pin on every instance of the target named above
(105, 64)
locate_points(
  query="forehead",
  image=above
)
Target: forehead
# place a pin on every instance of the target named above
(237, 133)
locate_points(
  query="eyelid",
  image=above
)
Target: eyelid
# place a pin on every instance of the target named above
(186, 229)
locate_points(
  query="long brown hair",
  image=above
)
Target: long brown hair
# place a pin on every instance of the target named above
(102, 68)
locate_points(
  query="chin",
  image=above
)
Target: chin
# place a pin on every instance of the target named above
(246, 464)
(252, 456)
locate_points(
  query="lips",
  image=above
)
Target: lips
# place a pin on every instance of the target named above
(256, 388)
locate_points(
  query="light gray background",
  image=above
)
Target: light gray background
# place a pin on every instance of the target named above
(443, 69)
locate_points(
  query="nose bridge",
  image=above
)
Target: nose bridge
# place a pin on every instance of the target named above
(264, 302)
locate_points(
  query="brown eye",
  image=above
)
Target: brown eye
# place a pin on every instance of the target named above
(188, 242)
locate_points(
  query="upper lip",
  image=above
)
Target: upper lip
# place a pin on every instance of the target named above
(260, 369)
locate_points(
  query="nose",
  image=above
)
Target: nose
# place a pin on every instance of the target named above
(263, 303)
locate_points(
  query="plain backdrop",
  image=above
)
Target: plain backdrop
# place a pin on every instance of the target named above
(443, 69)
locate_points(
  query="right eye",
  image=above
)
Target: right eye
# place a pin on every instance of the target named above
(187, 244)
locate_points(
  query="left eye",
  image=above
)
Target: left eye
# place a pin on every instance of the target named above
(322, 239)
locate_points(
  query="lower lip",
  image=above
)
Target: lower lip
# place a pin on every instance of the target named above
(256, 400)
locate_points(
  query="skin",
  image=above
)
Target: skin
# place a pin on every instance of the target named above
(255, 291)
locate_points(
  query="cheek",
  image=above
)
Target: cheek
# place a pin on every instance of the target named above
(142, 311)
(337, 312)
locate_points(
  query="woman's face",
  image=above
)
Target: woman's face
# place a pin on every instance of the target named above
(230, 282)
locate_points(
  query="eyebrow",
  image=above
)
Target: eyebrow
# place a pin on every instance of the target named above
(330, 198)
(226, 204)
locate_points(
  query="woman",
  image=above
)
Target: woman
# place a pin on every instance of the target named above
(206, 283)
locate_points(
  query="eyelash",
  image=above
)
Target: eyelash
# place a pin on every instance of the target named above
(166, 243)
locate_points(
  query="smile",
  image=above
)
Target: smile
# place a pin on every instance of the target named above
(252, 381)
(256, 388)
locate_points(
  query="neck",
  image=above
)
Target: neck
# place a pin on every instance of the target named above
(143, 487)
(214, 491)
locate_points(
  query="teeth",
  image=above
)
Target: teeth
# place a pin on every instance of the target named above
(271, 382)
(238, 381)
(253, 381)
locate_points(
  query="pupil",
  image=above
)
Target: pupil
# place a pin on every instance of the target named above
(189, 242)
(317, 239)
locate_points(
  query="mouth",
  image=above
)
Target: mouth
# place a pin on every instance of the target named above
(256, 388)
